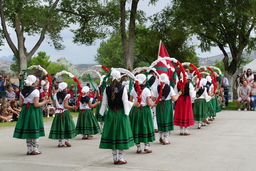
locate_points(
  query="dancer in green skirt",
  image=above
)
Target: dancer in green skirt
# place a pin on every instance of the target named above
(87, 124)
(202, 106)
(141, 117)
(30, 123)
(117, 133)
(164, 109)
(63, 126)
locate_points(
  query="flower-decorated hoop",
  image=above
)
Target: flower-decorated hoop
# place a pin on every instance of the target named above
(100, 66)
(213, 76)
(44, 71)
(147, 69)
(130, 74)
(173, 69)
(101, 81)
(199, 76)
(76, 80)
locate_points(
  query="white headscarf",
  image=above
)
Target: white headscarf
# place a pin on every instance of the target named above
(164, 78)
(62, 86)
(115, 74)
(85, 89)
(208, 78)
(31, 79)
(141, 78)
(203, 82)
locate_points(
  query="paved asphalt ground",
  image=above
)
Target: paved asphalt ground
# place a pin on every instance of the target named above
(227, 144)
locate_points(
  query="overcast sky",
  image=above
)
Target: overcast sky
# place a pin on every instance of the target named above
(85, 54)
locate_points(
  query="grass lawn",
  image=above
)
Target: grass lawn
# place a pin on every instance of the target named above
(231, 106)
(7, 124)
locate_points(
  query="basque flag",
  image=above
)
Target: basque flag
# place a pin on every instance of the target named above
(164, 66)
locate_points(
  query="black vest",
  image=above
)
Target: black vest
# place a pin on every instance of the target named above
(117, 102)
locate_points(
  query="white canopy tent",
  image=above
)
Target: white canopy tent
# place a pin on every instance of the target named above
(251, 65)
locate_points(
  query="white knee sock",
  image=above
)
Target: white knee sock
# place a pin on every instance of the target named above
(60, 142)
(114, 153)
(147, 145)
(165, 136)
(121, 152)
(160, 134)
(186, 129)
(138, 147)
(35, 144)
(29, 145)
(181, 129)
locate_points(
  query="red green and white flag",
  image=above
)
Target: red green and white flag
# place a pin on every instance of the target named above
(164, 66)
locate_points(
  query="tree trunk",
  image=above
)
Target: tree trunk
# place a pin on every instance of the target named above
(130, 55)
(23, 62)
(232, 79)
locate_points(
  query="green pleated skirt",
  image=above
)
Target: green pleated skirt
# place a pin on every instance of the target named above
(164, 116)
(202, 109)
(87, 123)
(30, 124)
(117, 132)
(215, 105)
(63, 126)
(98, 116)
(142, 124)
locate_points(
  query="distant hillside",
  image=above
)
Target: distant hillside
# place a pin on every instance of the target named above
(211, 60)
(6, 58)
(5, 65)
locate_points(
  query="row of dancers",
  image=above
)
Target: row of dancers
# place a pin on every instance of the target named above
(127, 118)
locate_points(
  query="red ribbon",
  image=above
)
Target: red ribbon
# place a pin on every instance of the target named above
(27, 105)
(50, 85)
(139, 91)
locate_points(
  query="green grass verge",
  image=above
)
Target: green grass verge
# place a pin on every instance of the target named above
(231, 106)
(7, 124)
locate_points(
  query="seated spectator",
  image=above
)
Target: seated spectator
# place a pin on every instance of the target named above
(16, 108)
(44, 83)
(244, 95)
(7, 79)
(72, 100)
(17, 93)
(249, 77)
(1, 83)
(242, 78)
(49, 109)
(10, 94)
(6, 114)
(253, 96)
(44, 93)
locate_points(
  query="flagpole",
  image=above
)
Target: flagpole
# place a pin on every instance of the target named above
(159, 48)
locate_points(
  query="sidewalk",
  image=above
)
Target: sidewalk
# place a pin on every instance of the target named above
(227, 144)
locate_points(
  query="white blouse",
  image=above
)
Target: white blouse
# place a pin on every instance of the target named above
(85, 105)
(145, 93)
(60, 106)
(172, 93)
(30, 98)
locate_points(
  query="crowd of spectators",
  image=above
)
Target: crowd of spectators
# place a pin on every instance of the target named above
(247, 91)
(9, 96)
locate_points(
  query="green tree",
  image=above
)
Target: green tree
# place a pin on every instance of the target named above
(243, 61)
(110, 52)
(128, 33)
(34, 18)
(146, 47)
(54, 67)
(15, 66)
(41, 59)
(220, 23)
